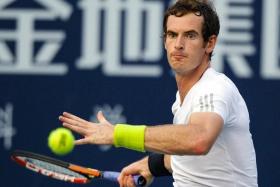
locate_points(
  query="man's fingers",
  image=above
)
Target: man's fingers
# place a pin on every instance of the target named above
(125, 179)
(101, 117)
(130, 181)
(72, 116)
(126, 182)
(73, 121)
(81, 141)
(77, 129)
(69, 121)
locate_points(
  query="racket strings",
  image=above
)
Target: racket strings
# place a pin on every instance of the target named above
(53, 168)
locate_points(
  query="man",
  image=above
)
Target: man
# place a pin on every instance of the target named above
(209, 141)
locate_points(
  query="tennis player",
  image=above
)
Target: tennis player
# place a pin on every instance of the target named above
(209, 142)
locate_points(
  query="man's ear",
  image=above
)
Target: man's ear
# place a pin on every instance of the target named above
(211, 43)
(164, 42)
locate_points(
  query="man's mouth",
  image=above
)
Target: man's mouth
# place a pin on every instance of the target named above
(178, 56)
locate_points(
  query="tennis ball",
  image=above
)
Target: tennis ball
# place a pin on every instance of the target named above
(61, 141)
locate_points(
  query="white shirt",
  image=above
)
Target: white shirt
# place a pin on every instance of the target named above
(231, 162)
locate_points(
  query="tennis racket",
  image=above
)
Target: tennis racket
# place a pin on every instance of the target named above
(66, 171)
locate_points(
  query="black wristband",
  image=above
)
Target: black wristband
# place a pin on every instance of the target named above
(156, 165)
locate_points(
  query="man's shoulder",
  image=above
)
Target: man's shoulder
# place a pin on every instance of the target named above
(215, 82)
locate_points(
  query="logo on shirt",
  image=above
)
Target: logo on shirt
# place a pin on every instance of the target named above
(206, 103)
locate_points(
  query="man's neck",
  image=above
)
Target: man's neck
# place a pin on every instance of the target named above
(186, 81)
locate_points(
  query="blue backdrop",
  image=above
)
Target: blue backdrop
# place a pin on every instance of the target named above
(85, 56)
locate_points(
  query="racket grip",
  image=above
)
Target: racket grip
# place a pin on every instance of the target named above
(139, 180)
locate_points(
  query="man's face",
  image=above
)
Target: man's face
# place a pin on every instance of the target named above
(184, 43)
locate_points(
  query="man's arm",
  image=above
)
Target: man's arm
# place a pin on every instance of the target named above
(167, 163)
(194, 138)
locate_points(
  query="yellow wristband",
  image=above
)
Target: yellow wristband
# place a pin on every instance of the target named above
(130, 136)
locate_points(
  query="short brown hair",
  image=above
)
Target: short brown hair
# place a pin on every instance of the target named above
(211, 24)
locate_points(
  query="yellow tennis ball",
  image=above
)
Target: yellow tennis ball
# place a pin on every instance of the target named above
(61, 141)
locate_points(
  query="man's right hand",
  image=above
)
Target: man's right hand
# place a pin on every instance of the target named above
(137, 168)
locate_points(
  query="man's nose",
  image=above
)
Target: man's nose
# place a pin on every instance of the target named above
(180, 42)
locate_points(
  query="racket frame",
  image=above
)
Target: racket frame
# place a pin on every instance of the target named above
(87, 174)
(21, 157)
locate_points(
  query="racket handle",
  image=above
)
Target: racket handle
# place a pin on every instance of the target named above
(139, 180)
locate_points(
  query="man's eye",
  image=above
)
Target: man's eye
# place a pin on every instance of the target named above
(191, 35)
(171, 35)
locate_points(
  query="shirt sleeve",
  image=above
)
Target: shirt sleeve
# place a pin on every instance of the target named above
(213, 100)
